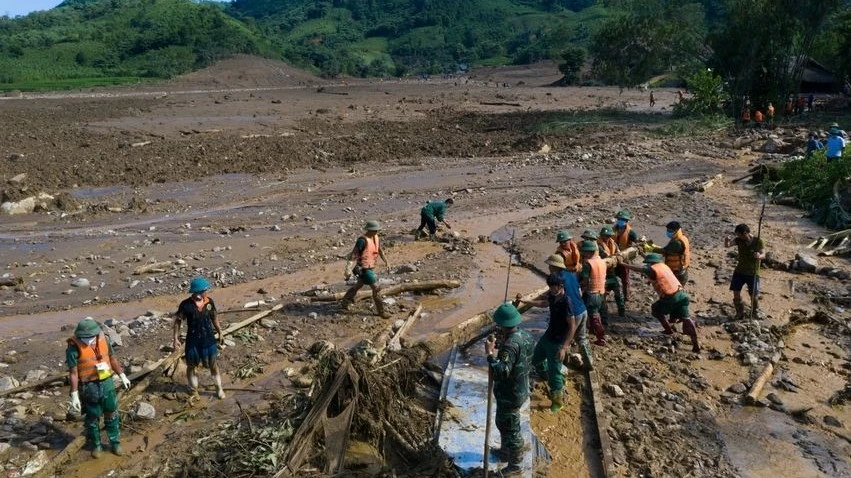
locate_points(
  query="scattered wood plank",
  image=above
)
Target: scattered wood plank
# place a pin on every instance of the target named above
(153, 268)
(422, 286)
(56, 377)
(141, 143)
(395, 343)
(254, 318)
(602, 425)
(709, 183)
(756, 389)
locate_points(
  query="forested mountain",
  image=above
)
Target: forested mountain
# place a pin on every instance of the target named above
(750, 44)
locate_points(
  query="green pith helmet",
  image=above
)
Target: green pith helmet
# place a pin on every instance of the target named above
(198, 285)
(589, 234)
(653, 258)
(556, 260)
(624, 214)
(588, 246)
(563, 235)
(506, 315)
(372, 225)
(87, 328)
(607, 231)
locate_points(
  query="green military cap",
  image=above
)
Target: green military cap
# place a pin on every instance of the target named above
(607, 231)
(653, 258)
(588, 246)
(506, 315)
(563, 235)
(87, 328)
(624, 214)
(372, 225)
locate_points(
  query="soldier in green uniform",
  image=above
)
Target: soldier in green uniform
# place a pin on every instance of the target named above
(432, 213)
(624, 237)
(362, 262)
(91, 370)
(608, 246)
(509, 367)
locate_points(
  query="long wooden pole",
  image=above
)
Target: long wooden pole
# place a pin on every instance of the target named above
(488, 422)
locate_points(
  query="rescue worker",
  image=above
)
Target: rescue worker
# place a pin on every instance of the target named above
(569, 251)
(362, 263)
(677, 252)
(624, 237)
(432, 213)
(746, 116)
(608, 248)
(770, 113)
(589, 235)
(202, 323)
(673, 301)
(835, 143)
(593, 282)
(92, 366)
(509, 367)
(788, 108)
(758, 118)
(652, 100)
(751, 252)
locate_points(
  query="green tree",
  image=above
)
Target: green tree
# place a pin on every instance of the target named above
(573, 61)
(647, 37)
(707, 95)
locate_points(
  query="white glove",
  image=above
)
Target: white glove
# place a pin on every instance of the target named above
(75, 401)
(125, 381)
(347, 273)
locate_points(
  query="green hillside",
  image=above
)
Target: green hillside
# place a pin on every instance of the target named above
(113, 41)
(94, 42)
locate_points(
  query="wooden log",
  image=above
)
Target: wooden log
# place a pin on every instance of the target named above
(254, 318)
(152, 268)
(756, 389)
(41, 383)
(602, 424)
(628, 254)
(422, 286)
(709, 183)
(395, 343)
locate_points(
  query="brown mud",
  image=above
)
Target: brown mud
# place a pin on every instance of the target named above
(260, 177)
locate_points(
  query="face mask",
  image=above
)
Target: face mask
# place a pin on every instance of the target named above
(621, 223)
(670, 234)
(90, 341)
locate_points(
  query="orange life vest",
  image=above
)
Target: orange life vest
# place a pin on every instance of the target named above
(679, 262)
(90, 357)
(369, 255)
(572, 258)
(771, 111)
(666, 282)
(597, 278)
(607, 246)
(622, 236)
(758, 117)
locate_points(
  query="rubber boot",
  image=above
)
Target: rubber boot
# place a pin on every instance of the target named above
(666, 325)
(379, 307)
(93, 430)
(598, 330)
(585, 351)
(499, 453)
(755, 305)
(557, 398)
(690, 329)
(113, 433)
(348, 299)
(740, 309)
(621, 303)
(511, 470)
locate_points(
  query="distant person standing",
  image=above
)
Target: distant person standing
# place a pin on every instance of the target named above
(770, 113)
(758, 118)
(835, 143)
(746, 116)
(202, 325)
(652, 100)
(810, 100)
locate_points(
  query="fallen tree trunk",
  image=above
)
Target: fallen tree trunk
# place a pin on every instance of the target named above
(756, 389)
(394, 290)
(709, 183)
(46, 381)
(628, 254)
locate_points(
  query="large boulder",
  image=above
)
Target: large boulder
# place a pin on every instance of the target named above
(8, 383)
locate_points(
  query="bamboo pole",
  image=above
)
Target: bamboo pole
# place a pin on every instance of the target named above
(394, 290)
(756, 389)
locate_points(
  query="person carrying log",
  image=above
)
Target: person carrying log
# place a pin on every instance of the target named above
(673, 301)
(361, 264)
(562, 327)
(677, 252)
(609, 248)
(593, 282)
(751, 252)
(92, 366)
(509, 358)
(202, 325)
(569, 251)
(432, 213)
(625, 237)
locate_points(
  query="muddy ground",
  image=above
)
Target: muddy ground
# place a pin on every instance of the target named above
(259, 177)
